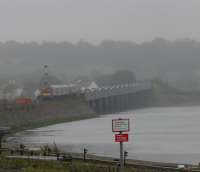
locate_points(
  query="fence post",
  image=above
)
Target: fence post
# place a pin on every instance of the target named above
(125, 156)
(21, 149)
(0, 144)
(84, 153)
(118, 167)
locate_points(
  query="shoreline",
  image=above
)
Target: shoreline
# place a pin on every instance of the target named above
(89, 116)
(47, 123)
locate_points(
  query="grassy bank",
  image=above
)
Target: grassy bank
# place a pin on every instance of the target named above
(47, 113)
(30, 165)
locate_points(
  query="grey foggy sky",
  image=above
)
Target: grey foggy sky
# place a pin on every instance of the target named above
(96, 20)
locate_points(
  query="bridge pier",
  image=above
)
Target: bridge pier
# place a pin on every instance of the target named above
(126, 101)
(115, 101)
(99, 105)
(121, 97)
(104, 105)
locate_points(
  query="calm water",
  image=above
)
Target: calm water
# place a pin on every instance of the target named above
(169, 134)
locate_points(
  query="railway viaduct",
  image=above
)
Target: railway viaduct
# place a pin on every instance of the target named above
(119, 97)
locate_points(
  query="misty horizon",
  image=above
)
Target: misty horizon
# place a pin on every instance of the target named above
(185, 39)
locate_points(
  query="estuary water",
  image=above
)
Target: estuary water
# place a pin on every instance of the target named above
(169, 134)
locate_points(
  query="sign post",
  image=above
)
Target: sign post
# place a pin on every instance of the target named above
(121, 125)
(121, 156)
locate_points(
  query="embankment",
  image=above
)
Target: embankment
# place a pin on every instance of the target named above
(46, 113)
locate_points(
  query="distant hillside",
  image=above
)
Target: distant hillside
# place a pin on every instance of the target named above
(176, 62)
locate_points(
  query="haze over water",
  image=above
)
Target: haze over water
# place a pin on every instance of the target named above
(169, 134)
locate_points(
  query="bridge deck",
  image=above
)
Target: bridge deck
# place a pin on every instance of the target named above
(116, 90)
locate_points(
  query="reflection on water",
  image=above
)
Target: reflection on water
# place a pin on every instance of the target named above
(159, 134)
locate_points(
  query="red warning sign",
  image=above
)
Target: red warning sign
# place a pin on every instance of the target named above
(121, 137)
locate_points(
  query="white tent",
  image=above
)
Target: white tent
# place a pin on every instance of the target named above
(93, 85)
